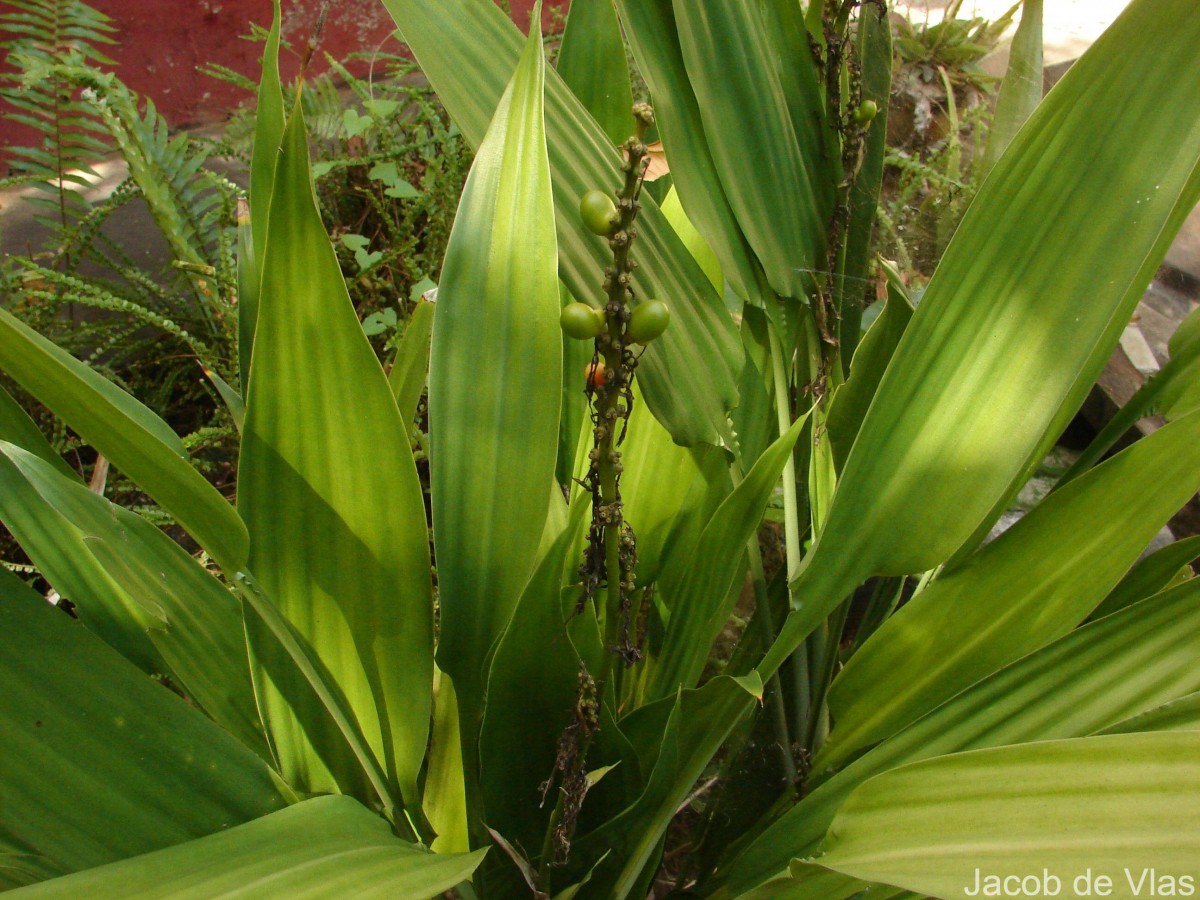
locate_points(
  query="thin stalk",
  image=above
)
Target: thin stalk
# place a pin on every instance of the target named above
(801, 686)
(774, 685)
(783, 414)
(824, 675)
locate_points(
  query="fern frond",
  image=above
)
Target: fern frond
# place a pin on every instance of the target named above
(75, 290)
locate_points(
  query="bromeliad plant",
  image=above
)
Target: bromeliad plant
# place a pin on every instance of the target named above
(978, 726)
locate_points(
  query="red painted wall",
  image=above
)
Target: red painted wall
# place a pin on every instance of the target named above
(161, 42)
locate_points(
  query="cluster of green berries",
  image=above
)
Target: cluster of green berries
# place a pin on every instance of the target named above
(583, 322)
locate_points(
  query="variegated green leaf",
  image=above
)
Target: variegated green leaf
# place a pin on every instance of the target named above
(1121, 806)
(494, 394)
(654, 39)
(330, 494)
(700, 600)
(770, 166)
(150, 588)
(324, 847)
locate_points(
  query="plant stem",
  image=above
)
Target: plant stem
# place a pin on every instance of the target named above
(774, 686)
(783, 414)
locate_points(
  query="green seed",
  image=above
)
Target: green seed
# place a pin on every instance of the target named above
(598, 212)
(867, 110)
(648, 321)
(580, 321)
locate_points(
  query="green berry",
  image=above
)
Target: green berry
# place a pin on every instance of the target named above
(580, 321)
(648, 321)
(867, 110)
(598, 212)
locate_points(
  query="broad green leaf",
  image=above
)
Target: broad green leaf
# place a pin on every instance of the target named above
(319, 703)
(411, 365)
(1150, 575)
(853, 399)
(444, 798)
(330, 494)
(1178, 715)
(701, 600)
(1119, 805)
(101, 763)
(1023, 310)
(493, 385)
(468, 49)
(532, 696)
(652, 34)
(193, 620)
(672, 209)
(137, 441)
(769, 165)
(1021, 591)
(591, 60)
(269, 118)
(1076, 686)
(59, 551)
(654, 485)
(18, 428)
(1021, 90)
(324, 847)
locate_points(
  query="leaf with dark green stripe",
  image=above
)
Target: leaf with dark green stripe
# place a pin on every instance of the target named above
(101, 763)
(1154, 573)
(59, 550)
(591, 60)
(494, 393)
(1178, 715)
(330, 494)
(324, 847)
(652, 34)
(468, 49)
(768, 164)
